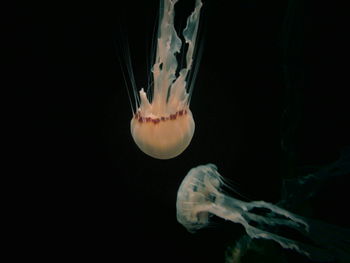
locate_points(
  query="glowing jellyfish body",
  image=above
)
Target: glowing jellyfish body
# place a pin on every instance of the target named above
(200, 196)
(163, 126)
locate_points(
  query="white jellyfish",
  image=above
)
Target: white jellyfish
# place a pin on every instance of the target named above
(200, 195)
(162, 125)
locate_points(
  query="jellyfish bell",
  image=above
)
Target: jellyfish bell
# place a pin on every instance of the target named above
(162, 125)
(197, 195)
(165, 132)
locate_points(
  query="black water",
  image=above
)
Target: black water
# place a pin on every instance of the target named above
(264, 78)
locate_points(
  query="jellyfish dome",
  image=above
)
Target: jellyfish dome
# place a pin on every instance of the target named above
(163, 125)
(164, 133)
(196, 196)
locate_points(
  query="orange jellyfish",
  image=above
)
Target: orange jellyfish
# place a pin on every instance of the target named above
(162, 125)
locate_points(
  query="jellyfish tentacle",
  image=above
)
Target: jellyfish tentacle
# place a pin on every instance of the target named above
(302, 248)
(278, 211)
(238, 216)
(272, 221)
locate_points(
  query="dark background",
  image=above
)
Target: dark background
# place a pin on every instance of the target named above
(271, 75)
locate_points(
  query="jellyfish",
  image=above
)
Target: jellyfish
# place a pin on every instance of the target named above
(162, 125)
(201, 195)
